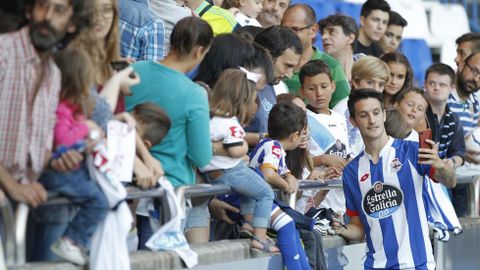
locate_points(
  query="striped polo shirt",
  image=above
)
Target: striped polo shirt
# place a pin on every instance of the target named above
(467, 111)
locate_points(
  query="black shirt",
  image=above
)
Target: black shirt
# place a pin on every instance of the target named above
(373, 49)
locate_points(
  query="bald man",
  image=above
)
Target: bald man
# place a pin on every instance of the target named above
(301, 19)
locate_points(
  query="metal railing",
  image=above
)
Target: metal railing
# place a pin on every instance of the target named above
(15, 224)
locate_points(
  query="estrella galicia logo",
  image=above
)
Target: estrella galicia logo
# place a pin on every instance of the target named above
(382, 200)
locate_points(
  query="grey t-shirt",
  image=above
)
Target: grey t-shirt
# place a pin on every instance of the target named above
(170, 13)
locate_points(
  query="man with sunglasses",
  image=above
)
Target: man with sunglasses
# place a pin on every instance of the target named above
(301, 19)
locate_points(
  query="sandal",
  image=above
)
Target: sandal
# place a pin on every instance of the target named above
(267, 246)
(245, 234)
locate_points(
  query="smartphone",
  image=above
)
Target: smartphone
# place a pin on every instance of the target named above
(120, 65)
(424, 135)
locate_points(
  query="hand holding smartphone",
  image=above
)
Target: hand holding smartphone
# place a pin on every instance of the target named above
(120, 65)
(423, 137)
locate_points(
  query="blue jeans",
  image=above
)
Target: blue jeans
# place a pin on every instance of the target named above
(46, 225)
(256, 195)
(84, 193)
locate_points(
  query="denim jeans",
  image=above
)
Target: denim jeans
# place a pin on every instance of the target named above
(46, 225)
(84, 193)
(256, 194)
(313, 245)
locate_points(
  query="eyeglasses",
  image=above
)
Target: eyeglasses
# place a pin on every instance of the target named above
(473, 69)
(104, 12)
(299, 29)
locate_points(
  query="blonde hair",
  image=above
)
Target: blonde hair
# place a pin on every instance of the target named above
(233, 95)
(368, 67)
(101, 54)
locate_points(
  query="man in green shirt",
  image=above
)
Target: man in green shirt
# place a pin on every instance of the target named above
(300, 18)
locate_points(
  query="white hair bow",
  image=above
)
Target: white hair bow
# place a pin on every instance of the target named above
(251, 76)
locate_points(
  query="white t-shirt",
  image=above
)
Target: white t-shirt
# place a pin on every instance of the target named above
(231, 133)
(329, 135)
(280, 88)
(244, 20)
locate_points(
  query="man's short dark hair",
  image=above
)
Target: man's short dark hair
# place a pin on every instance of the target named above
(361, 94)
(372, 5)
(396, 19)
(472, 37)
(285, 119)
(313, 68)
(310, 16)
(348, 24)
(262, 59)
(277, 39)
(156, 121)
(441, 69)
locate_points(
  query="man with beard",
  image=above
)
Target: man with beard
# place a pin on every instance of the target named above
(272, 12)
(29, 92)
(285, 49)
(464, 102)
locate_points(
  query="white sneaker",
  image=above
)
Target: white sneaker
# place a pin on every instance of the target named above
(67, 250)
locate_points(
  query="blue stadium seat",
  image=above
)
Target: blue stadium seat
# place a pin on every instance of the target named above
(350, 9)
(420, 57)
(318, 42)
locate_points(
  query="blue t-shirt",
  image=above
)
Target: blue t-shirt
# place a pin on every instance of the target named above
(266, 98)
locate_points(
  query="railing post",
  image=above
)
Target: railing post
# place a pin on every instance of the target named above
(8, 239)
(21, 219)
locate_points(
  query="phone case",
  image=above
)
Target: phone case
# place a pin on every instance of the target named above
(424, 135)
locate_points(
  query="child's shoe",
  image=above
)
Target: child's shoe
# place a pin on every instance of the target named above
(64, 248)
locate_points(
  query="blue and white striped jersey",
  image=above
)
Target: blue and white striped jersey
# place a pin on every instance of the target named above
(387, 196)
(269, 153)
(467, 111)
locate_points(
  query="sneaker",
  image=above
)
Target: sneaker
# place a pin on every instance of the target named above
(67, 250)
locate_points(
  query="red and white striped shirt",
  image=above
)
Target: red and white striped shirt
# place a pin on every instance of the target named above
(26, 119)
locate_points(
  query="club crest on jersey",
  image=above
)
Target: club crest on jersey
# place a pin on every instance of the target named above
(396, 165)
(236, 132)
(276, 151)
(382, 200)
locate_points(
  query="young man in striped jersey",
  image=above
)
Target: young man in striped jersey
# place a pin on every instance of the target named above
(383, 189)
